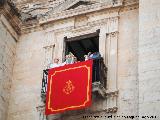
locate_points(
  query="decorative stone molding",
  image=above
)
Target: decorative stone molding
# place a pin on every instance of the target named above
(64, 5)
(49, 52)
(111, 110)
(112, 56)
(9, 28)
(130, 2)
(90, 27)
(47, 15)
(11, 18)
(97, 87)
(112, 94)
(107, 112)
(111, 18)
(130, 7)
(42, 116)
(78, 11)
(48, 46)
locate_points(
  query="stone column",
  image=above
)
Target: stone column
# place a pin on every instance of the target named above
(109, 50)
(49, 49)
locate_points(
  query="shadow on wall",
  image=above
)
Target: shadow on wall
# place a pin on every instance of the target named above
(2, 2)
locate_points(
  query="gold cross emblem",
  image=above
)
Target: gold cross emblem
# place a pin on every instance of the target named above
(69, 87)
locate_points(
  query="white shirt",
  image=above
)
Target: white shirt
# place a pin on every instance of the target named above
(54, 65)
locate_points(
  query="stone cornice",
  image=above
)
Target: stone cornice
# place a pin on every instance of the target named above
(88, 25)
(130, 2)
(79, 11)
(10, 22)
(130, 6)
(40, 24)
(12, 18)
(7, 26)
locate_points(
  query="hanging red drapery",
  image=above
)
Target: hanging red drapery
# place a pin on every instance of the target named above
(69, 87)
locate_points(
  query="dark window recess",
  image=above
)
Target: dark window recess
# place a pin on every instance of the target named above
(82, 47)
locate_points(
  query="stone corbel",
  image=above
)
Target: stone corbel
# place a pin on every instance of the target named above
(41, 110)
(111, 110)
(112, 94)
(98, 87)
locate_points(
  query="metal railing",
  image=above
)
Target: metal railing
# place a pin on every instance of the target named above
(44, 85)
(99, 76)
(99, 71)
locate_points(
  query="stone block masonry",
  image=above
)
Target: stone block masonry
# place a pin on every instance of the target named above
(7, 54)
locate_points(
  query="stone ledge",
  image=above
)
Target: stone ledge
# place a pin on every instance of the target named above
(108, 111)
(41, 110)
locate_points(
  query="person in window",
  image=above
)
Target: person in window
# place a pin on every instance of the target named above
(86, 57)
(70, 58)
(95, 55)
(54, 64)
(96, 65)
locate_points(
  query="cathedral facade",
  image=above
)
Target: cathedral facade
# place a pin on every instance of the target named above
(125, 32)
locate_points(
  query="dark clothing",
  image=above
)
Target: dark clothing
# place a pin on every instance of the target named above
(96, 70)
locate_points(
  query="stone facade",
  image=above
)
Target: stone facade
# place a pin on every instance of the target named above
(149, 64)
(124, 43)
(7, 55)
(128, 63)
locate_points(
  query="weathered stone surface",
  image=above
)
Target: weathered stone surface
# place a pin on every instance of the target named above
(149, 58)
(34, 50)
(7, 53)
(128, 64)
(27, 77)
(128, 41)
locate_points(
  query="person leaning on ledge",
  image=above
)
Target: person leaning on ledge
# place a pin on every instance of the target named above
(54, 64)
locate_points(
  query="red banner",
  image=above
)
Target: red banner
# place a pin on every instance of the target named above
(69, 87)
